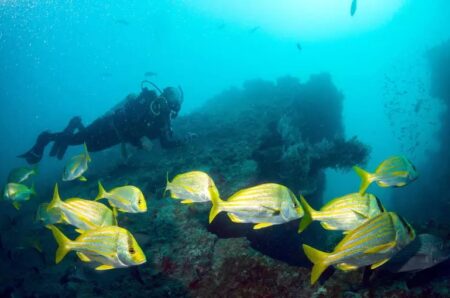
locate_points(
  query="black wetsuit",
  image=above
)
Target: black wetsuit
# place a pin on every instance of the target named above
(146, 115)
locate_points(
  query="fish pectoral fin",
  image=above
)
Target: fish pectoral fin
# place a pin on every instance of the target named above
(327, 226)
(346, 232)
(189, 201)
(262, 225)
(360, 214)
(82, 178)
(83, 257)
(346, 267)
(17, 205)
(104, 267)
(79, 231)
(381, 248)
(235, 218)
(274, 210)
(378, 264)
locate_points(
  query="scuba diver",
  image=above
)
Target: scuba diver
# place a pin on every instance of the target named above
(146, 115)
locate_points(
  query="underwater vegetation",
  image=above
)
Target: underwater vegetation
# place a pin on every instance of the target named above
(285, 133)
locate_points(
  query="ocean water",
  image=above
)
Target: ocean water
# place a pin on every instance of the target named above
(287, 92)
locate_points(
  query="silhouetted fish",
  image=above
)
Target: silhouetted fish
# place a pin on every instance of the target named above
(299, 46)
(353, 7)
(254, 29)
(150, 74)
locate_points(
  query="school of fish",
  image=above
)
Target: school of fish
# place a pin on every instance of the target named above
(371, 235)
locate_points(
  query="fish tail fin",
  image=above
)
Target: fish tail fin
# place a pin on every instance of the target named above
(56, 201)
(318, 258)
(33, 190)
(102, 193)
(307, 217)
(86, 152)
(63, 243)
(366, 179)
(216, 205)
(167, 185)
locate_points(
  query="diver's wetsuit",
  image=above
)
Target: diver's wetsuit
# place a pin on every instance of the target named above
(146, 115)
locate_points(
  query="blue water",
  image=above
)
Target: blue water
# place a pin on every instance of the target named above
(60, 59)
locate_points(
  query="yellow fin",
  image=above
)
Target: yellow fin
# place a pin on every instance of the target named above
(360, 214)
(319, 259)
(104, 267)
(327, 226)
(189, 201)
(102, 193)
(216, 204)
(79, 231)
(82, 178)
(56, 199)
(307, 216)
(63, 243)
(366, 179)
(16, 205)
(346, 267)
(262, 225)
(83, 257)
(235, 218)
(378, 264)
(381, 248)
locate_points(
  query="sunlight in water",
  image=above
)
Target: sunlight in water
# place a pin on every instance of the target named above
(309, 19)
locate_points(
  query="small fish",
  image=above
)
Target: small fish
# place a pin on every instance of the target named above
(20, 175)
(299, 46)
(76, 166)
(396, 171)
(254, 29)
(48, 217)
(266, 205)
(18, 193)
(424, 252)
(373, 243)
(82, 214)
(122, 22)
(353, 7)
(125, 198)
(149, 74)
(192, 187)
(343, 213)
(111, 247)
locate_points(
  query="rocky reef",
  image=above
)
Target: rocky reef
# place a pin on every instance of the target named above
(287, 132)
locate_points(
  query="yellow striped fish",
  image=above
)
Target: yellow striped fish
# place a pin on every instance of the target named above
(83, 214)
(76, 166)
(127, 198)
(266, 204)
(396, 171)
(192, 187)
(344, 213)
(110, 247)
(373, 243)
(18, 193)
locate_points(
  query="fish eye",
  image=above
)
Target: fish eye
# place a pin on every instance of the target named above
(131, 250)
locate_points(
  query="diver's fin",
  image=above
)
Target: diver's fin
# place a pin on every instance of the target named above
(318, 258)
(16, 205)
(307, 216)
(346, 267)
(63, 243)
(83, 257)
(381, 248)
(104, 267)
(235, 218)
(82, 178)
(366, 179)
(378, 264)
(262, 225)
(189, 201)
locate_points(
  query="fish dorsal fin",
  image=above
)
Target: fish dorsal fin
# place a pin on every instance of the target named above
(235, 218)
(104, 267)
(83, 257)
(381, 248)
(378, 264)
(360, 214)
(346, 267)
(262, 225)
